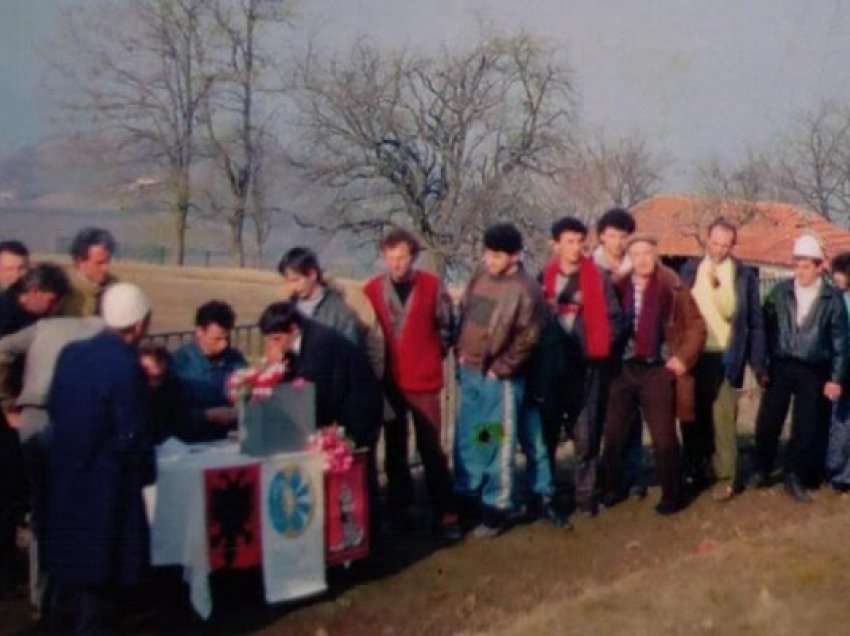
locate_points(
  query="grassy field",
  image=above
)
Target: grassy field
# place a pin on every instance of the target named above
(784, 581)
(176, 292)
(760, 564)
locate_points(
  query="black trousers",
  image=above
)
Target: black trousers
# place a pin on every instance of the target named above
(83, 610)
(698, 436)
(810, 416)
(425, 409)
(580, 408)
(13, 501)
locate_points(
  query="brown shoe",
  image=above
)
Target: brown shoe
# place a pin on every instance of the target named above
(723, 492)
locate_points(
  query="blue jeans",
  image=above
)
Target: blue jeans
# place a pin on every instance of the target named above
(537, 467)
(486, 437)
(838, 451)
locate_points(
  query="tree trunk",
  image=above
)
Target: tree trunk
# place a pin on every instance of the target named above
(181, 218)
(237, 235)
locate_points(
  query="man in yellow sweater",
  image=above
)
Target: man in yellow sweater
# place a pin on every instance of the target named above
(726, 292)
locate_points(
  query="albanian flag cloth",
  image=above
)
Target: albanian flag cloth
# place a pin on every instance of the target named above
(233, 516)
(347, 513)
(293, 516)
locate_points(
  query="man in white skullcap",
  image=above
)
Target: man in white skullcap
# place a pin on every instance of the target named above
(806, 332)
(100, 456)
(39, 345)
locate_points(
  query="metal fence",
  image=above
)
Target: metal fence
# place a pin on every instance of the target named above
(246, 338)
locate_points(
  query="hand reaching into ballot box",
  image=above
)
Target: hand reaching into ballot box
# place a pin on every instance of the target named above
(255, 382)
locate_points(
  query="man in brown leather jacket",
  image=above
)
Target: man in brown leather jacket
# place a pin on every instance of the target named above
(500, 323)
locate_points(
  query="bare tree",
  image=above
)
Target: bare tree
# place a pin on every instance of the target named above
(623, 171)
(601, 174)
(749, 181)
(261, 213)
(814, 161)
(139, 71)
(236, 116)
(736, 192)
(440, 143)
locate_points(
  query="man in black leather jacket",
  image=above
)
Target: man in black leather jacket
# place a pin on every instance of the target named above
(806, 329)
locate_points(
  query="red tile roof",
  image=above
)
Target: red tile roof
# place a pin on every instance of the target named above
(767, 228)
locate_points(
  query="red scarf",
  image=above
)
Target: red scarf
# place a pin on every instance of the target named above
(654, 310)
(597, 331)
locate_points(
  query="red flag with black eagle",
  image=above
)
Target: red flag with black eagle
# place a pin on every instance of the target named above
(234, 532)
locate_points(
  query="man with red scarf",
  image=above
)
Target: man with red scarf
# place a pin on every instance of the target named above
(585, 319)
(664, 336)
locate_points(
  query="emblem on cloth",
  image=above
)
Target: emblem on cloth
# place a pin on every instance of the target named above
(487, 434)
(233, 516)
(352, 532)
(291, 502)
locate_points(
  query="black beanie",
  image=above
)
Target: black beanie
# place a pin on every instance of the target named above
(503, 237)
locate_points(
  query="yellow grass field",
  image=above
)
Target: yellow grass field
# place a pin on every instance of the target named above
(176, 292)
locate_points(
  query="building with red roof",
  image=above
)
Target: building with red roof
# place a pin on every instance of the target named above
(766, 234)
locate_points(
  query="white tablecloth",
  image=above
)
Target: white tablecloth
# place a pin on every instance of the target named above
(176, 508)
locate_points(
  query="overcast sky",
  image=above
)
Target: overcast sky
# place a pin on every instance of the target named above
(697, 78)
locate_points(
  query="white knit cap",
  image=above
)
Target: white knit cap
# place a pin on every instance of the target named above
(123, 305)
(807, 246)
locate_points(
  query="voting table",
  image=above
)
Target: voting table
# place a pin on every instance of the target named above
(216, 507)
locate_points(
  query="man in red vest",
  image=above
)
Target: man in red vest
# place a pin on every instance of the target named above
(415, 315)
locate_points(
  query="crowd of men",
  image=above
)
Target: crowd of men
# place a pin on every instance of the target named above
(601, 342)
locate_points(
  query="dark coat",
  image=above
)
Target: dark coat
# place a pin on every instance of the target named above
(822, 338)
(347, 391)
(100, 456)
(12, 317)
(560, 357)
(747, 345)
(14, 494)
(168, 411)
(332, 311)
(13, 486)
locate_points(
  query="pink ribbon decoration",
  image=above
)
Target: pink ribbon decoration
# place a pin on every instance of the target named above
(337, 449)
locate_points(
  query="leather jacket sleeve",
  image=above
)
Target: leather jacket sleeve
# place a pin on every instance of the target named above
(838, 337)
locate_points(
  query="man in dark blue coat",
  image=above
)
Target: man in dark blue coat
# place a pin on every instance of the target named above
(726, 292)
(100, 455)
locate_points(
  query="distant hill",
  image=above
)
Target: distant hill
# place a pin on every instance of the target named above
(50, 189)
(79, 170)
